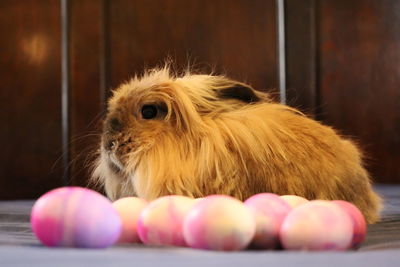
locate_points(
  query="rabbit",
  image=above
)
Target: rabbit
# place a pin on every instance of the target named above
(196, 135)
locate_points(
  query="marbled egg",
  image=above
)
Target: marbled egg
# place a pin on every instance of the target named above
(269, 211)
(294, 201)
(75, 217)
(160, 222)
(317, 225)
(219, 222)
(359, 224)
(129, 210)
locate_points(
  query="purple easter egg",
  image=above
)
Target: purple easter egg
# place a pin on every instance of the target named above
(269, 211)
(160, 222)
(317, 225)
(219, 222)
(359, 224)
(75, 217)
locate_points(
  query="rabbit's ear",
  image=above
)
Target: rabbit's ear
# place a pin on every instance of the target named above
(240, 92)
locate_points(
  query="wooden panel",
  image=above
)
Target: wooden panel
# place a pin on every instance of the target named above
(86, 88)
(29, 97)
(301, 55)
(360, 77)
(237, 37)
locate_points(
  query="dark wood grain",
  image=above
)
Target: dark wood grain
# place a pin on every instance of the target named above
(231, 36)
(360, 78)
(87, 94)
(29, 98)
(301, 54)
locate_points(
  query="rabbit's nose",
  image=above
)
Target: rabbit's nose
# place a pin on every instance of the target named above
(109, 144)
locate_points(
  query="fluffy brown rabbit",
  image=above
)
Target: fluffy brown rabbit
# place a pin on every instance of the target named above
(198, 135)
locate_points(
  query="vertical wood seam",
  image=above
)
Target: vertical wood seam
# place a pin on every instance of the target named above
(280, 7)
(65, 89)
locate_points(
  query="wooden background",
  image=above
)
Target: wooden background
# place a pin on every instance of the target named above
(342, 64)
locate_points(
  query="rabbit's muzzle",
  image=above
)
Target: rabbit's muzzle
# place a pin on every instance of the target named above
(113, 146)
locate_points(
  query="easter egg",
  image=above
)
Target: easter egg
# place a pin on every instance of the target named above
(219, 222)
(129, 209)
(160, 222)
(75, 217)
(359, 224)
(269, 211)
(317, 225)
(294, 201)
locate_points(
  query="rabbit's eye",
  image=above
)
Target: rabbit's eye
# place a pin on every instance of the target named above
(149, 112)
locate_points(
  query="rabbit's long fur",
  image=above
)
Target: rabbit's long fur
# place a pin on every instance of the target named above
(213, 135)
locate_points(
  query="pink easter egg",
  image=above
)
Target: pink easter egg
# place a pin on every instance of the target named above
(359, 224)
(160, 222)
(129, 209)
(219, 222)
(269, 211)
(317, 225)
(75, 217)
(294, 201)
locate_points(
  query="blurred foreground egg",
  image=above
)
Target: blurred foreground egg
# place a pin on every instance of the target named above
(317, 225)
(219, 222)
(75, 217)
(129, 209)
(359, 224)
(294, 201)
(160, 223)
(270, 211)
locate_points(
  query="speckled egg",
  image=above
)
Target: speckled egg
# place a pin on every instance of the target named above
(269, 211)
(160, 222)
(359, 224)
(129, 209)
(75, 217)
(317, 225)
(294, 201)
(219, 222)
